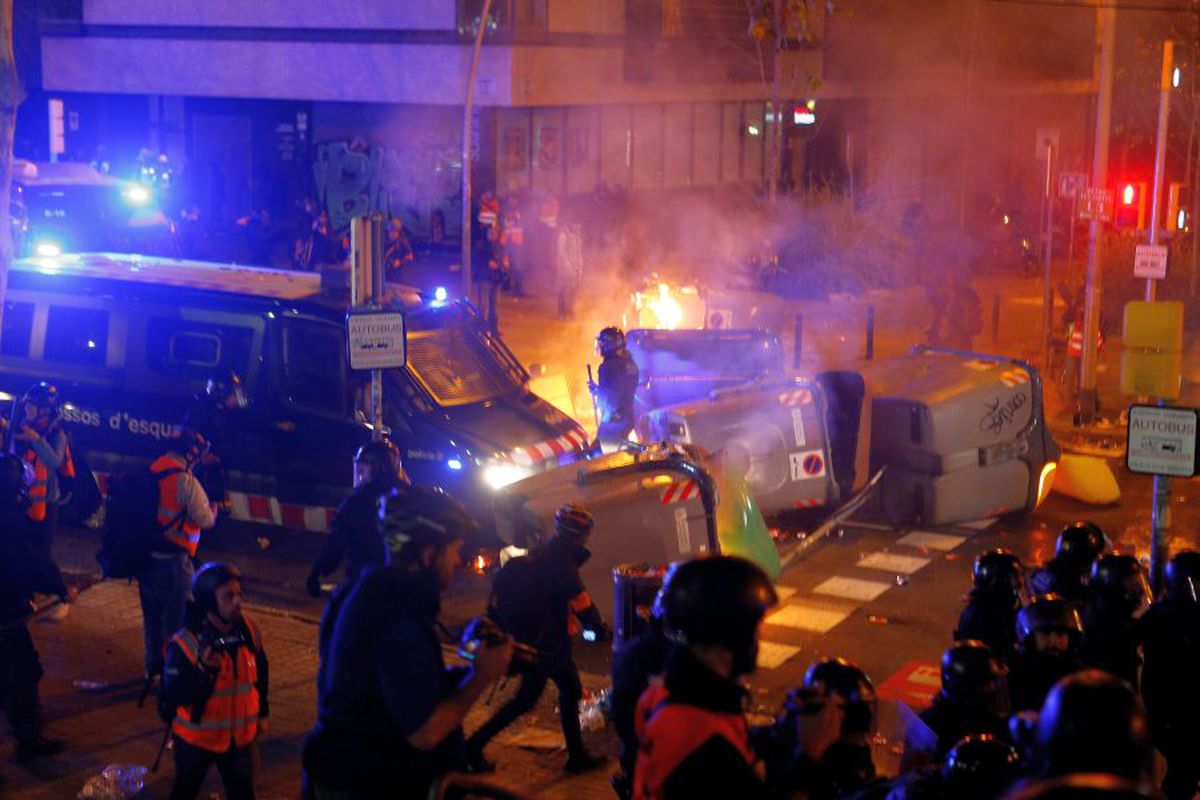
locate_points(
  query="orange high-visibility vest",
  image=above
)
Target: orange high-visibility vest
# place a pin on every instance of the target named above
(38, 492)
(185, 533)
(230, 717)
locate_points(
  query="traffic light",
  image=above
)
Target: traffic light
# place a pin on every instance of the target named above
(1131, 205)
(1177, 204)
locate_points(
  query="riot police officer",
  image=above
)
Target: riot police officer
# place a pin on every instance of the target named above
(614, 393)
(211, 415)
(1119, 594)
(845, 766)
(979, 766)
(693, 734)
(354, 535)
(1049, 631)
(1170, 635)
(541, 600)
(23, 572)
(991, 613)
(973, 698)
(1066, 574)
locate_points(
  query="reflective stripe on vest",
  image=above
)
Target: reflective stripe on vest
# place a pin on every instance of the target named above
(184, 534)
(670, 732)
(230, 717)
(39, 488)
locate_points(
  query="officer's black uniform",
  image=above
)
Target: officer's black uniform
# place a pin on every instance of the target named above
(991, 613)
(1110, 640)
(210, 415)
(615, 390)
(973, 698)
(1066, 574)
(548, 628)
(1170, 632)
(354, 535)
(383, 675)
(1033, 673)
(23, 572)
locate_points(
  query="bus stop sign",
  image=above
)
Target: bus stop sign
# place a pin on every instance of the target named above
(1161, 440)
(375, 339)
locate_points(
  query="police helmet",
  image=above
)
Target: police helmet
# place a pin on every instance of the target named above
(610, 340)
(573, 520)
(212, 576)
(980, 765)
(1080, 543)
(1048, 612)
(1183, 576)
(14, 480)
(226, 383)
(381, 456)
(844, 678)
(413, 518)
(45, 397)
(972, 674)
(999, 572)
(1120, 579)
(718, 600)
(1093, 722)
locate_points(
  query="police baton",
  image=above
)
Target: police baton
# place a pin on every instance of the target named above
(592, 394)
(162, 747)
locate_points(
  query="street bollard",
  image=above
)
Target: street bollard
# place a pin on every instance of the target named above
(870, 332)
(797, 340)
(995, 318)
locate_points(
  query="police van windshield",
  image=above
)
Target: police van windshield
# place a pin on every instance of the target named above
(456, 367)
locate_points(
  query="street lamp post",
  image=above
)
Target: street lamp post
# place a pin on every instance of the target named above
(468, 111)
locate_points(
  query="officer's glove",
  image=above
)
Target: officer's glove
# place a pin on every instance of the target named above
(313, 585)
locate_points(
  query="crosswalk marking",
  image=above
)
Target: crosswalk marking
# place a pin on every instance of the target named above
(933, 541)
(784, 592)
(978, 524)
(772, 655)
(804, 617)
(892, 562)
(852, 588)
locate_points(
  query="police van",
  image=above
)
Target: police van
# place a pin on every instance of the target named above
(130, 340)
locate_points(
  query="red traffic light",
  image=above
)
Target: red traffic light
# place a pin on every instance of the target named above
(1128, 194)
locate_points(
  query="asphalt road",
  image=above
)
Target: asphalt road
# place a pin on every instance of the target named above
(887, 598)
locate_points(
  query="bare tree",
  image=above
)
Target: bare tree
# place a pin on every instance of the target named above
(783, 24)
(11, 95)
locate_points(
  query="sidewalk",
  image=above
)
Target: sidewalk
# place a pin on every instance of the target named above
(92, 661)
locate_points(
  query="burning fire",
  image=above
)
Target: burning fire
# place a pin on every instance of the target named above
(481, 564)
(658, 307)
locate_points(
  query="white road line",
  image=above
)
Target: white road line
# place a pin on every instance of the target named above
(784, 592)
(977, 525)
(852, 588)
(890, 562)
(772, 655)
(934, 541)
(807, 618)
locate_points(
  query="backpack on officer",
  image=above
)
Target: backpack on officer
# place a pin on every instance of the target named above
(131, 527)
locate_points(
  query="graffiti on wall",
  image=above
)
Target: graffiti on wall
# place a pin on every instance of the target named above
(354, 178)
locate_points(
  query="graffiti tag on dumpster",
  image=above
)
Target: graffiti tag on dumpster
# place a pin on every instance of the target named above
(1000, 413)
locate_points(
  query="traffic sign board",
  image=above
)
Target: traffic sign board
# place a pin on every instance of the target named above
(1161, 440)
(1150, 261)
(1070, 184)
(1096, 203)
(375, 339)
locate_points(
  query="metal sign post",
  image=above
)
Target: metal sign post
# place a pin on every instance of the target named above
(366, 283)
(1047, 292)
(1161, 441)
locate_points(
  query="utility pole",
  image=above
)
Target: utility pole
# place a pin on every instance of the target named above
(468, 113)
(1106, 28)
(11, 95)
(1160, 512)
